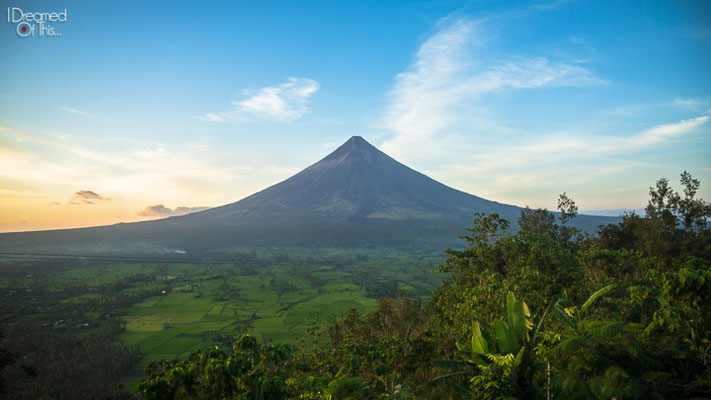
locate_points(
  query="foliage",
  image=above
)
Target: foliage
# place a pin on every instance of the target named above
(506, 374)
(54, 363)
(249, 371)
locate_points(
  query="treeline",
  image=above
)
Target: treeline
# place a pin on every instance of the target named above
(57, 364)
(547, 312)
(60, 346)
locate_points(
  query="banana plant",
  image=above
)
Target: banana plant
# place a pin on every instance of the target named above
(510, 370)
(510, 367)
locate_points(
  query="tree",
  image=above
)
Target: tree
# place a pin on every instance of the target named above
(693, 212)
(568, 209)
(248, 371)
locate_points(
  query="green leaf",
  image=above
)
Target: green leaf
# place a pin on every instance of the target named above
(572, 344)
(506, 337)
(500, 330)
(464, 351)
(519, 357)
(479, 345)
(514, 343)
(540, 324)
(595, 296)
(476, 359)
(510, 303)
(518, 323)
(527, 314)
(662, 301)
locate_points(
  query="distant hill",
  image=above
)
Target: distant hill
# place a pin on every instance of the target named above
(356, 196)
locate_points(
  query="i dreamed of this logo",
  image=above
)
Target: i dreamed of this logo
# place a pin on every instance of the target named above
(35, 23)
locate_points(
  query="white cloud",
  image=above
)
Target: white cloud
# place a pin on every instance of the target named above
(522, 172)
(74, 111)
(440, 108)
(695, 104)
(442, 90)
(161, 211)
(667, 131)
(687, 102)
(212, 117)
(555, 149)
(289, 100)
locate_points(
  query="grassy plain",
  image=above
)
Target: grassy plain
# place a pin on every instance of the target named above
(270, 293)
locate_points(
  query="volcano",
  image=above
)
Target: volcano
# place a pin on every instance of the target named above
(357, 196)
(357, 182)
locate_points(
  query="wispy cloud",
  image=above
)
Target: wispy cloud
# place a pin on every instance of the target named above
(556, 148)
(661, 133)
(87, 197)
(444, 86)
(161, 211)
(74, 111)
(695, 104)
(545, 163)
(439, 109)
(289, 100)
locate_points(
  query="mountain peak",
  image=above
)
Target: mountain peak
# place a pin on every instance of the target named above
(354, 148)
(355, 139)
(356, 142)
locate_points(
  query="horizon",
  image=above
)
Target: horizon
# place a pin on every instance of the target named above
(127, 116)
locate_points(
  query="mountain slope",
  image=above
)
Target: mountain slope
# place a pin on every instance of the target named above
(355, 196)
(355, 181)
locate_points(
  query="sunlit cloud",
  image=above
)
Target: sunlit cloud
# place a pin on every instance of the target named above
(289, 100)
(545, 163)
(36, 169)
(161, 211)
(664, 132)
(87, 197)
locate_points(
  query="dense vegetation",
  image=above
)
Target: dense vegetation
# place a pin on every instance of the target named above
(49, 347)
(544, 313)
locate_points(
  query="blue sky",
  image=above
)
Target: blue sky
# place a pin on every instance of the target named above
(190, 105)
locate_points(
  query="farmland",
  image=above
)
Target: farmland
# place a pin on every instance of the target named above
(167, 310)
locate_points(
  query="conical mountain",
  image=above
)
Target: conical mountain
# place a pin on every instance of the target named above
(356, 181)
(356, 196)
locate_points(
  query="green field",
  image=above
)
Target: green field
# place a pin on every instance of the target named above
(273, 305)
(169, 310)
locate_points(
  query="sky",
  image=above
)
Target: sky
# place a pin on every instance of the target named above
(142, 110)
